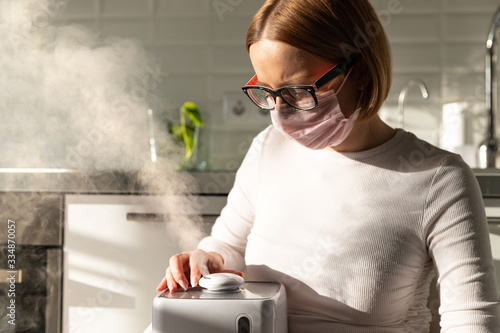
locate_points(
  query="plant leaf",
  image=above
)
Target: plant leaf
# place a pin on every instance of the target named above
(191, 111)
(177, 131)
(190, 129)
(189, 143)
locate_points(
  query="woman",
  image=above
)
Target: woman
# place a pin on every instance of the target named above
(353, 216)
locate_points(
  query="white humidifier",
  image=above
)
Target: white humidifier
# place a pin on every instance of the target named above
(222, 303)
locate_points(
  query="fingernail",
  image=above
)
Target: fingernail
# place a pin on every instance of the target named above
(183, 284)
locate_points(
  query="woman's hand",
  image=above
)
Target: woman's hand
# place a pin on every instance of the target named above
(195, 264)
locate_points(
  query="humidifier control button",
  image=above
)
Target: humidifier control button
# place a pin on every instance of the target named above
(221, 281)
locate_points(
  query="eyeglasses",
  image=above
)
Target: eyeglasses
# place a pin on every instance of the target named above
(301, 97)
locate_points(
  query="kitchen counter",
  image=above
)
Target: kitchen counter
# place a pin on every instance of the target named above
(130, 182)
(109, 181)
(489, 182)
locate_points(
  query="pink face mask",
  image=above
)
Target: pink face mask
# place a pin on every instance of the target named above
(318, 128)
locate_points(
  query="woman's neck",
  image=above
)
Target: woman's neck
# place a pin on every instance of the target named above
(366, 135)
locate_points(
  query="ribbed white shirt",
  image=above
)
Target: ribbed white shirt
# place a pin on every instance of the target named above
(356, 237)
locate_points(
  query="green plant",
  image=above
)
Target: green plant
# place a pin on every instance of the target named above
(186, 132)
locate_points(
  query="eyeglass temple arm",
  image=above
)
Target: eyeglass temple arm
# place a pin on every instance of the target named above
(252, 81)
(336, 71)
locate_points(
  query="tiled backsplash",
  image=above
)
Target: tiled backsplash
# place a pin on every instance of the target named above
(200, 48)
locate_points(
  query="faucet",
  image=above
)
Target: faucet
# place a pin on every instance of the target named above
(488, 149)
(404, 93)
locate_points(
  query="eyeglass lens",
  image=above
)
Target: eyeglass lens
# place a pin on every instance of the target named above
(297, 97)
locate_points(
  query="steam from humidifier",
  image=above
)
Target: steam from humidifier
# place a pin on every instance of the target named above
(152, 141)
(73, 100)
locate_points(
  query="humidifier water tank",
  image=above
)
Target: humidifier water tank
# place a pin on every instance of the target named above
(253, 307)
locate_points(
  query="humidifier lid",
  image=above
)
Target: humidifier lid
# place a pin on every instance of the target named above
(221, 282)
(250, 290)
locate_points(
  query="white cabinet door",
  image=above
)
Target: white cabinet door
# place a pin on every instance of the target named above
(115, 254)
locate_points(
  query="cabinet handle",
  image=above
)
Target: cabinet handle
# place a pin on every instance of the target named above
(153, 217)
(6, 276)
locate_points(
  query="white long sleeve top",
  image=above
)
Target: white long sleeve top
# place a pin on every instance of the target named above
(356, 237)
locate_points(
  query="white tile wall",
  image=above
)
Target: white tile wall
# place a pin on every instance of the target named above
(200, 47)
(182, 7)
(409, 28)
(443, 43)
(120, 8)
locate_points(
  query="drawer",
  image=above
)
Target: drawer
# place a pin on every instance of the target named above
(116, 250)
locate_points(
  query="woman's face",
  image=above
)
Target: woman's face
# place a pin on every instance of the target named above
(279, 64)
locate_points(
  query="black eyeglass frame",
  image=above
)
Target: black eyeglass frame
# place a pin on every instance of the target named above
(311, 89)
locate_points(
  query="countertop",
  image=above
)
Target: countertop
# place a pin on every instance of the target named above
(114, 182)
(156, 182)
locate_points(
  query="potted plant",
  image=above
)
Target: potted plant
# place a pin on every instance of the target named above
(187, 132)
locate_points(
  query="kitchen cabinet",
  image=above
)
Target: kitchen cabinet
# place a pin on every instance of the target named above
(116, 249)
(492, 206)
(31, 251)
(489, 182)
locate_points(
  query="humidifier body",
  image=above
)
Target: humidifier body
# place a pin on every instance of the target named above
(255, 307)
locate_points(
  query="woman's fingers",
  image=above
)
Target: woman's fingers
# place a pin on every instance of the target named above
(163, 285)
(194, 264)
(195, 276)
(171, 283)
(198, 265)
(177, 267)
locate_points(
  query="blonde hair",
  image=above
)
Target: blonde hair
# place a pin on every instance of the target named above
(334, 30)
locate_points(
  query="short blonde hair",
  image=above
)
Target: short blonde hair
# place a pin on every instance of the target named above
(334, 30)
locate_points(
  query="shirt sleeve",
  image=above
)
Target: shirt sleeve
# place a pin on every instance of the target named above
(458, 241)
(231, 229)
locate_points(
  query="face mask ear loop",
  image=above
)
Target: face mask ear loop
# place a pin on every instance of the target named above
(343, 82)
(358, 103)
